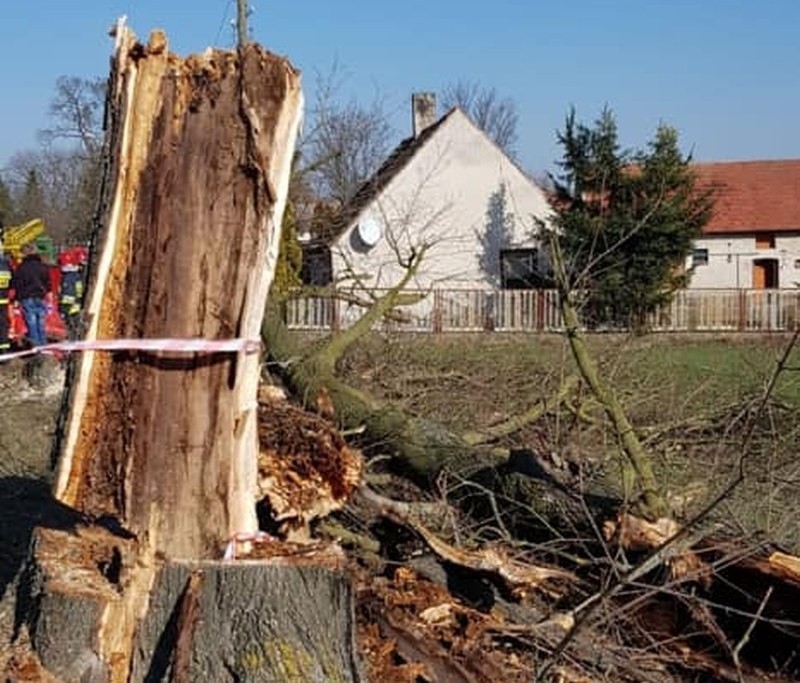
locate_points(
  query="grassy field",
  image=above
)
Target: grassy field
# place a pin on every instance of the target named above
(693, 399)
(464, 378)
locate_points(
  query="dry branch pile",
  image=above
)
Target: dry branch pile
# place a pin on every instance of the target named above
(695, 610)
(657, 606)
(654, 603)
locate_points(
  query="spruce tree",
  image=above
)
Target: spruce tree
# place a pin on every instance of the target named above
(31, 202)
(626, 220)
(290, 254)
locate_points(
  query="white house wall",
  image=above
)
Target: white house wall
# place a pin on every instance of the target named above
(441, 198)
(730, 261)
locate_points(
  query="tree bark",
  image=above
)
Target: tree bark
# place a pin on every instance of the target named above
(201, 151)
(98, 608)
(638, 468)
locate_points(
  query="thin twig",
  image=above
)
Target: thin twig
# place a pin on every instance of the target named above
(746, 636)
(586, 608)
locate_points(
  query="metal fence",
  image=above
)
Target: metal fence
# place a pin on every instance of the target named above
(537, 310)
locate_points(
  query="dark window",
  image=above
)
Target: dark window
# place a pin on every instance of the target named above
(700, 257)
(519, 269)
(316, 270)
(765, 241)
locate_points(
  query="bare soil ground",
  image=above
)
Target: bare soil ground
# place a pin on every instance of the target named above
(28, 414)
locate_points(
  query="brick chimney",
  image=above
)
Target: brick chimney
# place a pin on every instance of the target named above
(423, 111)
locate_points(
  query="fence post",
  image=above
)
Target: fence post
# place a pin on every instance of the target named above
(489, 303)
(795, 315)
(540, 304)
(437, 311)
(335, 322)
(742, 310)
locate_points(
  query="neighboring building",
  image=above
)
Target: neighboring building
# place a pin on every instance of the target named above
(451, 187)
(753, 238)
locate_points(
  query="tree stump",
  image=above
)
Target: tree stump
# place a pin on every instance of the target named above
(100, 611)
(159, 451)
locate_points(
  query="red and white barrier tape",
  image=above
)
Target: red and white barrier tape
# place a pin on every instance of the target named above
(169, 345)
(255, 537)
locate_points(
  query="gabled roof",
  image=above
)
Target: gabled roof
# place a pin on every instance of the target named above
(753, 196)
(370, 190)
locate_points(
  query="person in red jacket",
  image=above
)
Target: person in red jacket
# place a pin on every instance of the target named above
(31, 282)
(70, 292)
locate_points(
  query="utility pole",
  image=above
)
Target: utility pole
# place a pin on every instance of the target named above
(241, 22)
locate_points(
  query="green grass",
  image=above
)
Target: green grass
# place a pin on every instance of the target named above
(656, 374)
(688, 396)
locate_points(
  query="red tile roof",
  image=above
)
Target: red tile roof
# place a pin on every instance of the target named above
(753, 196)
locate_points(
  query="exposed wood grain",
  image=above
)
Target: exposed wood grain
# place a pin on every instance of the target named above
(203, 145)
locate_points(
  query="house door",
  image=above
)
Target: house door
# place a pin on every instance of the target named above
(765, 273)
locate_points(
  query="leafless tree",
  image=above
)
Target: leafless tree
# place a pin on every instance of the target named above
(65, 194)
(494, 114)
(345, 143)
(66, 164)
(77, 111)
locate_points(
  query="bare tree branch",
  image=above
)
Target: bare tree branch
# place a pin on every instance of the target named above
(346, 142)
(495, 115)
(77, 111)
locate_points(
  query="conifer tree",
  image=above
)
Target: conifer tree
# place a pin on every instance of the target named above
(290, 254)
(626, 220)
(31, 203)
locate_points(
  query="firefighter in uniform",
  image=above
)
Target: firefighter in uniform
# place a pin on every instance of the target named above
(5, 281)
(71, 295)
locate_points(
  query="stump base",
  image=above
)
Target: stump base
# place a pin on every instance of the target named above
(99, 609)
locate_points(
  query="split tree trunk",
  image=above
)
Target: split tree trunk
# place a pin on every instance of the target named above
(160, 450)
(202, 150)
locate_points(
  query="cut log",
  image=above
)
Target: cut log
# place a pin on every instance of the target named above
(200, 154)
(80, 598)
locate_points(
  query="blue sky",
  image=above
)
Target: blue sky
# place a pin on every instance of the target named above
(724, 72)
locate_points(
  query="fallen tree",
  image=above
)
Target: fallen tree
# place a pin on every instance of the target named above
(638, 466)
(421, 446)
(683, 579)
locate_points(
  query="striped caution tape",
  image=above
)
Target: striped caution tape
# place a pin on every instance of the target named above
(167, 345)
(231, 550)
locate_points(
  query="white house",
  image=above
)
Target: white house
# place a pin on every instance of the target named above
(753, 238)
(450, 187)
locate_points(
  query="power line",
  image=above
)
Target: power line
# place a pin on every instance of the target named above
(224, 19)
